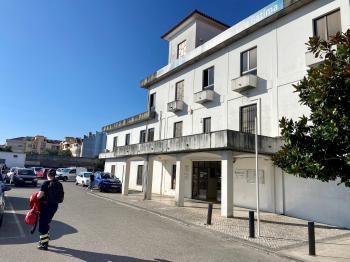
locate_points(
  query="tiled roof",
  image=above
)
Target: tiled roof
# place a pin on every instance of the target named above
(195, 12)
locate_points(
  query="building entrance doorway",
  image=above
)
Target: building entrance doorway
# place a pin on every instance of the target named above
(206, 180)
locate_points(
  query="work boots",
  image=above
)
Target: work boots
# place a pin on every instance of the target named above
(44, 242)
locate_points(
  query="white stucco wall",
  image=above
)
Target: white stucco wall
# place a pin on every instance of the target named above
(188, 33)
(13, 159)
(316, 200)
(245, 188)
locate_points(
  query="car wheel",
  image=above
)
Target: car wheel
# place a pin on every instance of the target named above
(1, 219)
(101, 190)
(65, 178)
(35, 184)
(76, 183)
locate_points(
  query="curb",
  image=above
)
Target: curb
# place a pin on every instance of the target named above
(183, 222)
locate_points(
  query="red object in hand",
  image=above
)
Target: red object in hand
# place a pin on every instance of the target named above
(33, 213)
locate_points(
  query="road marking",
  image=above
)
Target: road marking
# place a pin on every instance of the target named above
(21, 231)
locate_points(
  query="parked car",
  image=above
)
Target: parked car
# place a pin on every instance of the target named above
(39, 171)
(24, 176)
(3, 188)
(69, 173)
(59, 170)
(83, 178)
(106, 183)
(9, 175)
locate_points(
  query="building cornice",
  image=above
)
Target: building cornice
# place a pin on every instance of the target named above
(129, 121)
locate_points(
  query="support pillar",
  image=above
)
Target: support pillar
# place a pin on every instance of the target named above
(180, 181)
(147, 179)
(125, 186)
(227, 184)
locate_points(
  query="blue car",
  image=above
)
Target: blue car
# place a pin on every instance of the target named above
(106, 183)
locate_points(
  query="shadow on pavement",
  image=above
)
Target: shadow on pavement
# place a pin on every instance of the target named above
(94, 256)
(12, 232)
(11, 235)
(18, 203)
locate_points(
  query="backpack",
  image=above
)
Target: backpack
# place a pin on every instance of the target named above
(55, 193)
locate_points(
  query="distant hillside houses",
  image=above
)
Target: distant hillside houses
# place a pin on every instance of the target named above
(29, 144)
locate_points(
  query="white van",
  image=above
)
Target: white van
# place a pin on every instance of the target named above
(69, 173)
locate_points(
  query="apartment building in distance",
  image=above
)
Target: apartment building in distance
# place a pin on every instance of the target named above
(93, 144)
(196, 138)
(73, 144)
(29, 144)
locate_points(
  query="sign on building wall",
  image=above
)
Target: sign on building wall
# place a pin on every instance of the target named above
(259, 15)
(248, 175)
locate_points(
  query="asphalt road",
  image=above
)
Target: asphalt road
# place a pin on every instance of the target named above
(88, 228)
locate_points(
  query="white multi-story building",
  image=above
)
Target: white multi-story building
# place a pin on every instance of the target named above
(196, 138)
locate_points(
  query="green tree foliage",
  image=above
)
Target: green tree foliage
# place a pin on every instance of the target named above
(65, 153)
(50, 152)
(318, 146)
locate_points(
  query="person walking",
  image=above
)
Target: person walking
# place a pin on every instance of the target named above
(50, 195)
(92, 181)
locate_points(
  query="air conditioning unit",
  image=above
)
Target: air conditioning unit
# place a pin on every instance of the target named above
(244, 83)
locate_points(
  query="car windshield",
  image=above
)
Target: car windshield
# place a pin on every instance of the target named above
(66, 170)
(87, 174)
(26, 172)
(37, 168)
(105, 176)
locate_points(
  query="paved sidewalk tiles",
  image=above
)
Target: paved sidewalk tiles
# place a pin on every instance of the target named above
(282, 234)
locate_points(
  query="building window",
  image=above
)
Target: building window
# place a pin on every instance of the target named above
(179, 91)
(152, 102)
(178, 129)
(327, 25)
(208, 78)
(173, 177)
(247, 118)
(142, 136)
(139, 175)
(127, 139)
(249, 62)
(113, 170)
(115, 143)
(150, 136)
(181, 49)
(206, 125)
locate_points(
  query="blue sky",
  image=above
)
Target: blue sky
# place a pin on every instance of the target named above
(68, 67)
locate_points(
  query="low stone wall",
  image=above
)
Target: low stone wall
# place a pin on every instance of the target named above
(60, 161)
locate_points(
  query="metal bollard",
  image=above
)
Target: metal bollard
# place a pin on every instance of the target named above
(311, 233)
(210, 212)
(251, 224)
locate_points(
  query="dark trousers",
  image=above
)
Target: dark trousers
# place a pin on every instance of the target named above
(46, 214)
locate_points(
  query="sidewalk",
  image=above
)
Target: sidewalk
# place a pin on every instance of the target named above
(281, 234)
